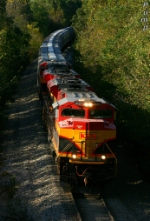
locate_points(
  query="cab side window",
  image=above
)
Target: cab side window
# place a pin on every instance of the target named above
(66, 112)
(103, 113)
(73, 112)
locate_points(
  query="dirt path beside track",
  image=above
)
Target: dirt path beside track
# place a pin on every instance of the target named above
(29, 186)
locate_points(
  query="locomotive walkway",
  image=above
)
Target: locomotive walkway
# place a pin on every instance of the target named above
(27, 171)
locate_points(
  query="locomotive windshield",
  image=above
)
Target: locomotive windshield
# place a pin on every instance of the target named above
(100, 113)
(73, 112)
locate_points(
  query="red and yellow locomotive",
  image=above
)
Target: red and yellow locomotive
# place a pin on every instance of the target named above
(80, 126)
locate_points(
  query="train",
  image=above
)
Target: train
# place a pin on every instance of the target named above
(80, 125)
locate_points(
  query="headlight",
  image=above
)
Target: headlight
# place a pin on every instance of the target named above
(74, 156)
(103, 157)
(87, 104)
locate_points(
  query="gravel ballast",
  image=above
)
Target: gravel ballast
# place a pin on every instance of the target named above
(29, 185)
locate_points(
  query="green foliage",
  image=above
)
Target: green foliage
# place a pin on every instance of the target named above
(17, 10)
(2, 12)
(23, 26)
(114, 54)
(40, 17)
(13, 58)
(69, 8)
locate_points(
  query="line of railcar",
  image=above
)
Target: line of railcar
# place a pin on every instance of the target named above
(79, 124)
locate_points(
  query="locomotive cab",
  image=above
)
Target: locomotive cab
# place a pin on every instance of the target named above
(82, 129)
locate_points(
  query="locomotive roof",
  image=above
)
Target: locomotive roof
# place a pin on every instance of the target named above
(67, 80)
(57, 69)
(54, 64)
(72, 96)
(57, 65)
(62, 71)
(68, 83)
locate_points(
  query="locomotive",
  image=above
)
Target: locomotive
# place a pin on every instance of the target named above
(80, 125)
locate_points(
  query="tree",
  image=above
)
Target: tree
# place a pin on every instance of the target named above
(114, 49)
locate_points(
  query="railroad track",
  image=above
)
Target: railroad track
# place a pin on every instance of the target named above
(87, 206)
(84, 206)
(92, 207)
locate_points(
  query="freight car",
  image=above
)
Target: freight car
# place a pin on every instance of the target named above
(79, 124)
